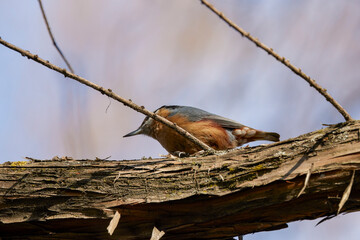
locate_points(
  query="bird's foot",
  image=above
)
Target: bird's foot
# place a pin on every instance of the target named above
(180, 154)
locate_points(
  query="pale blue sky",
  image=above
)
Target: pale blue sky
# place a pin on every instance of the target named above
(174, 52)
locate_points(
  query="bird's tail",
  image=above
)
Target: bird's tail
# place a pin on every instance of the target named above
(246, 134)
(270, 136)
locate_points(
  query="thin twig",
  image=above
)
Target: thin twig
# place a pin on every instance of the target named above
(52, 37)
(109, 93)
(283, 60)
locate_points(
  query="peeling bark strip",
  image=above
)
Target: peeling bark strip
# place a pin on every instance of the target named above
(213, 197)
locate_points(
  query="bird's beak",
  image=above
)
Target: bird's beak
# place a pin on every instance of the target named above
(133, 133)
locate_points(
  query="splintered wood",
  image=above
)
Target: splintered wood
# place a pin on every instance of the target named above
(346, 194)
(306, 180)
(113, 223)
(156, 234)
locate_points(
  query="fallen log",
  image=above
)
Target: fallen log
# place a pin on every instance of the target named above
(219, 196)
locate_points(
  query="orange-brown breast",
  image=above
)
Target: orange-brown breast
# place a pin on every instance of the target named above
(205, 130)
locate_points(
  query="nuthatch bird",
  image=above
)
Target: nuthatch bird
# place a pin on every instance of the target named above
(217, 132)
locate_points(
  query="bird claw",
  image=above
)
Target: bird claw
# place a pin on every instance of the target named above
(180, 154)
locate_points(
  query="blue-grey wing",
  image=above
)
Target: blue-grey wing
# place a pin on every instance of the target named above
(225, 122)
(196, 114)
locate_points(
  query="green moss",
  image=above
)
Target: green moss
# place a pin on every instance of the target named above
(19, 163)
(225, 165)
(231, 185)
(258, 167)
(320, 130)
(234, 169)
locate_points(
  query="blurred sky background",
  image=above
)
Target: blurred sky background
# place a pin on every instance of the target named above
(175, 52)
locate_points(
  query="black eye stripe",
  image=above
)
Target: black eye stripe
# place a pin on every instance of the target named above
(145, 120)
(170, 107)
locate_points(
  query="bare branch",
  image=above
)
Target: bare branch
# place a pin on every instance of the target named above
(283, 60)
(52, 37)
(109, 93)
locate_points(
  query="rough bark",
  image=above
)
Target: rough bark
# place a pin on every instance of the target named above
(212, 197)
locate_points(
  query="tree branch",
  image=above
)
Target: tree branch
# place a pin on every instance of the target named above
(53, 39)
(283, 60)
(109, 93)
(214, 197)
